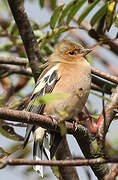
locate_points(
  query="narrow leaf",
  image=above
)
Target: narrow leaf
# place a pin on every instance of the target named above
(52, 4)
(13, 30)
(41, 3)
(9, 132)
(47, 98)
(89, 58)
(74, 10)
(110, 12)
(3, 153)
(55, 16)
(54, 34)
(65, 11)
(87, 10)
(116, 20)
(63, 129)
(98, 15)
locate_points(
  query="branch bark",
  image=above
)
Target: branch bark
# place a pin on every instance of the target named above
(7, 70)
(106, 76)
(89, 147)
(79, 162)
(96, 85)
(90, 150)
(27, 35)
(63, 152)
(35, 119)
(13, 60)
(109, 110)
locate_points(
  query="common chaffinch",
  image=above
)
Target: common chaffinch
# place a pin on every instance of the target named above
(67, 71)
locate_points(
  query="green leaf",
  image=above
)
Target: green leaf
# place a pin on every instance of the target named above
(87, 10)
(55, 171)
(116, 20)
(47, 98)
(74, 10)
(2, 100)
(65, 12)
(9, 132)
(90, 58)
(63, 114)
(98, 15)
(54, 34)
(63, 129)
(13, 30)
(110, 12)
(7, 46)
(52, 4)
(3, 153)
(41, 3)
(55, 16)
(102, 97)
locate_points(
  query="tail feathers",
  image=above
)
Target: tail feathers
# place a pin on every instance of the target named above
(46, 147)
(27, 135)
(38, 149)
(38, 168)
(37, 155)
(56, 141)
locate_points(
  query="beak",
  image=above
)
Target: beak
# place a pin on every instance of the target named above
(84, 51)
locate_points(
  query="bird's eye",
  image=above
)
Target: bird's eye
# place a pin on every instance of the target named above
(72, 52)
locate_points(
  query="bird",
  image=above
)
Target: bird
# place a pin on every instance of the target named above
(67, 71)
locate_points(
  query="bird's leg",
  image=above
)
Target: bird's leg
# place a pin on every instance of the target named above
(54, 119)
(75, 124)
(87, 121)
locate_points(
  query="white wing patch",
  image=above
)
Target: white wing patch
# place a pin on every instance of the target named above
(42, 82)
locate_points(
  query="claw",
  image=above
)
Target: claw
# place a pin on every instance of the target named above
(75, 125)
(53, 118)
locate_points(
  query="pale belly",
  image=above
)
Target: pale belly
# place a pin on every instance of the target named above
(73, 104)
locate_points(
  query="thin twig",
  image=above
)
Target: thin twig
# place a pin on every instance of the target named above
(24, 61)
(32, 118)
(107, 63)
(27, 35)
(113, 174)
(12, 124)
(13, 60)
(81, 133)
(104, 115)
(13, 69)
(109, 111)
(79, 162)
(106, 76)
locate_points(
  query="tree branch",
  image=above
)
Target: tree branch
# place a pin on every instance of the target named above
(106, 76)
(27, 35)
(79, 162)
(89, 147)
(97, 84)
(13, 60)
(7, 70)
(91, 150)
(113, 173)
(109, 110)
(63, 153)
(24, 61)
(35, 119)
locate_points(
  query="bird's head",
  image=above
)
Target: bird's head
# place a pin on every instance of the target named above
(69, 51)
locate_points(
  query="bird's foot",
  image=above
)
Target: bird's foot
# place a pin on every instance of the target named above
(75, 125)
(54, 119)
